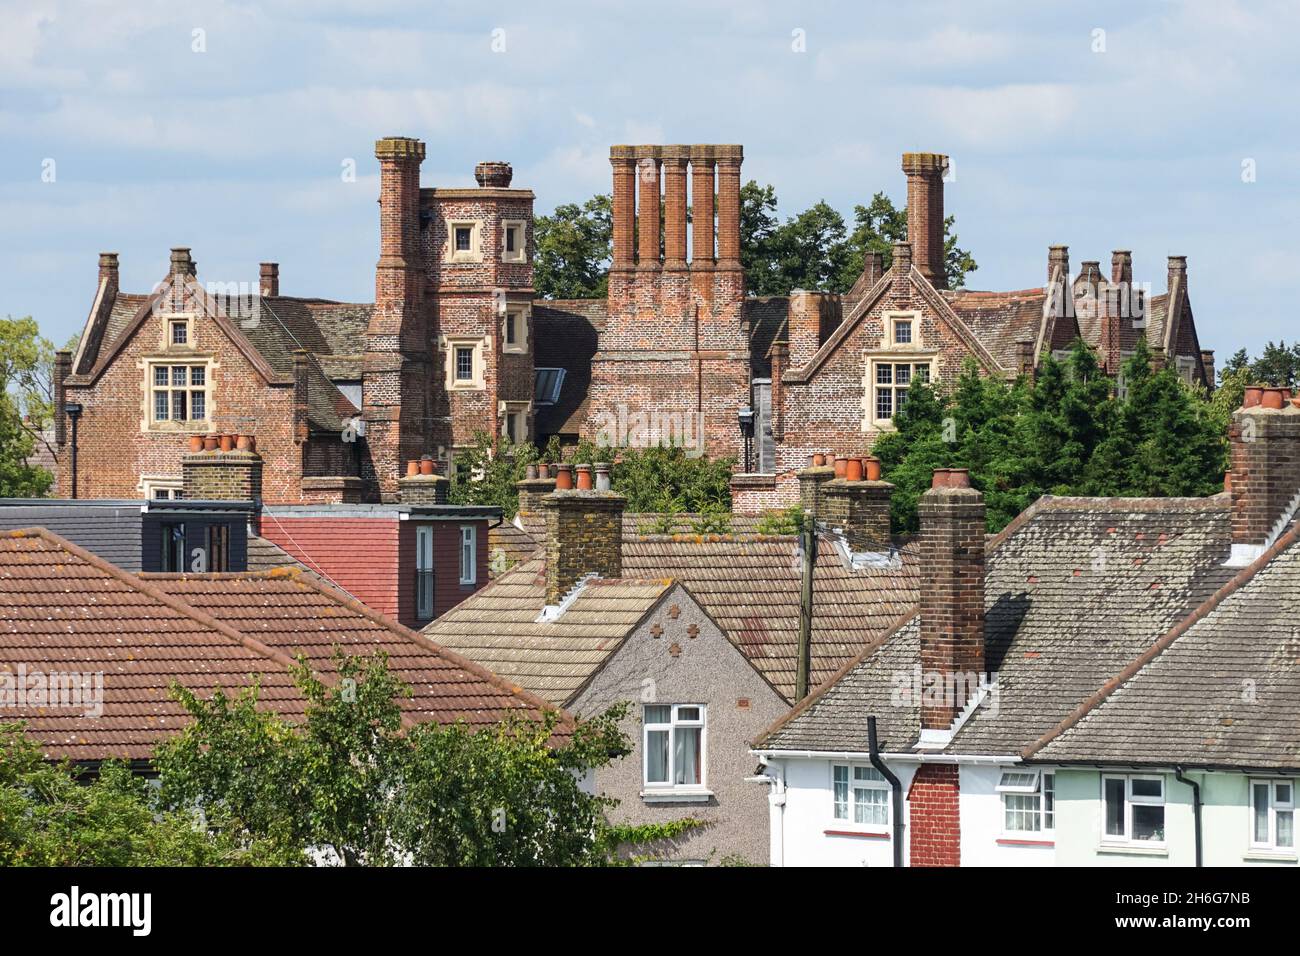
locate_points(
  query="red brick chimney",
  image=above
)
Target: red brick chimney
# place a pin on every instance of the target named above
(647, 208)
(702, 212)
(108, 275)
(809, 314)
(396, 365)
(729, 159)
(925, 173)
(952, 599)
(1265, 473)
(623, 207)
(270, 279)
(674, 160)
(584, 535)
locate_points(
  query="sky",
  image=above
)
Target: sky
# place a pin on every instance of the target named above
(1167, 128)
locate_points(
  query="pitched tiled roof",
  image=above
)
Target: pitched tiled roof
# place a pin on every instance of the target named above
(265, 555)
(1001, 319)
(1220, 690)
(750, 587)
(111, 529)
(566, 334)
(499, 628)
(67, 610)
(513, 544)
(294, 613)
(1075, 588)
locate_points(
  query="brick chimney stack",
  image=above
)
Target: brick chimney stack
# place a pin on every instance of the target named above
(952, 601)
(216, 475)
(108, 273)
(647, 215)
(396, 365)
(1265, 474)
(675, 159)
(860, 509)
(1059, 289)
(623, 207)
(925, 173)
(1207, 361)
(809, 313)
(584, 535)
(702, 212)
(728, 159)
(270, 279)
(181, 263)
(1121, 267)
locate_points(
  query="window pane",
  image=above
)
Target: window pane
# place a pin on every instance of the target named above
(178, 406)
(884, 403)
(1114, 807)
(1147, 788)
(870, 805)
(464, 363)
(510, 239)
(688, 713)
(1259, 797)
(1148, 822)
(686, 756)
(179, 333)
(160, 406)
(510, 328)
(903, 332)
(656, 756)
(884, 374)
(180, 374)
(1282, 794)
(198, 405)
(160, 375)
(841, 786)
(1049, 801)
(900, 398)
(921, 373)
(198, 375)
(657, 713)
(867, 773)
(1022, 811)
(1286, 828)
(462, 238)
(903, 375)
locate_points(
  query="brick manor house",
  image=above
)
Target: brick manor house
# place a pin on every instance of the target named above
(340, 397)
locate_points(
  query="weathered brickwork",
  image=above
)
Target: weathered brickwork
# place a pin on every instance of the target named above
(934, 820)
(1265, 475)
(222, 475)
(423, 490)
(952, 602)
(860, 509)
(584, 535)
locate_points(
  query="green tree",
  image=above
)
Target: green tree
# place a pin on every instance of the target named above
(573, 250)
(1278, 365)
(26, 406)
(486, 472)
(758, 228)
(50, 815)
(349, 779)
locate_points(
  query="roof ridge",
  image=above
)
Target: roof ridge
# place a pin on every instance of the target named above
(1167, 640)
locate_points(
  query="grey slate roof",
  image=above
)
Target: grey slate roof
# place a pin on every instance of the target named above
(1225, 692)
(110, 529)
(264, 555)
(566, 334)
(1075, 589)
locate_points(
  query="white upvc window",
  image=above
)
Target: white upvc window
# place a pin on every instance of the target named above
(1272, 814)
(513, 248)
(162, 488)
(859, 795)
(178, 393)
(674, 745)
(424, 572)
(514, 330)
(468, 554)
(1028, 801)
(1133, 808)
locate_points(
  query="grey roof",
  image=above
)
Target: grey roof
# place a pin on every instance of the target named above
(1000, 320)
(109, 529)
(566, 334)
(499, 628)
(1223, 689)
(264, 555)
(768, 318)
(1075, 589)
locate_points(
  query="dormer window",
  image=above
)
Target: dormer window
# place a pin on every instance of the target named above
(546, 385)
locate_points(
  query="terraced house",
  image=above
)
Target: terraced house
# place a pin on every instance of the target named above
(1106, 681)
(343, 396)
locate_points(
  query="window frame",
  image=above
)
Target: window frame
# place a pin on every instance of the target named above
(1271, 845)
(475, 251)
(425, 572)
(853, 784)
(468, 554)
(172, 532)
(217, 542)
(1130, 801)
(893, 361)
(554, 391)
(178, 396)
(513, 314)
(476, 344)
(668, 788)
(1036, 787)
(520, 252)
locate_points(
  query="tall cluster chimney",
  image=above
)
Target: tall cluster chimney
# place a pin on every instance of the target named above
(925, 172)
(952, 601)
(395, 367)
(269, 284)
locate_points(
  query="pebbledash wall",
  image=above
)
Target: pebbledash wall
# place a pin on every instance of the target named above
(683, 658)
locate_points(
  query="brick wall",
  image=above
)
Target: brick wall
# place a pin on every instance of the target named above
(1265, 469)
(934, 821)
(222, 476)
(584, 535)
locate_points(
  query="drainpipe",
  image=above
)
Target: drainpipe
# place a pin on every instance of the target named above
(73, 411)
(808, 543)
(1196, 809)
(873, 749)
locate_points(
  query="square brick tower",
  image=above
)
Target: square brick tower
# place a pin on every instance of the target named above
(673, 361)
(478, 258)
